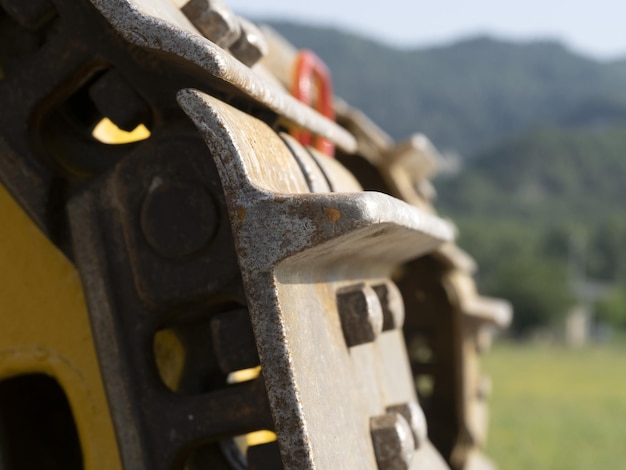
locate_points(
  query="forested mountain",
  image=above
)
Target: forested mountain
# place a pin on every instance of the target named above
(546, 194)
(540, 199)
(469, 95)
(548, 175)
(544, 212)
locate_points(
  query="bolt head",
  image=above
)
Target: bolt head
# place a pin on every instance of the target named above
(178, 219)
(414, 415)
(214, 20)
(360, 313)
(393, 441)
(393, 306)
(251, 46)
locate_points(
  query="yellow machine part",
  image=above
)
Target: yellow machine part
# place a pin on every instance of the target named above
(44, 329)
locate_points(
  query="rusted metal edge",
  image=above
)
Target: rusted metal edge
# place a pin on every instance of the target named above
(276, 233)
(355, 210)
(160, 26)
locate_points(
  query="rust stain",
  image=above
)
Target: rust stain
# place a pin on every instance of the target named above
(241, 214)
(333, 214)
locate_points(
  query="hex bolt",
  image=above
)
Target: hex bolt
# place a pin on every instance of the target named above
(178, 218)
(360, 313)
(393, 441)
(414, 415)
(392, 304)
(214, 20)
(251, 46)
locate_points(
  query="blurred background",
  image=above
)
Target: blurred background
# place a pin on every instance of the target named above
(527, 103)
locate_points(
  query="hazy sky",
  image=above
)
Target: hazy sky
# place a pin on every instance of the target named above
(596, 27)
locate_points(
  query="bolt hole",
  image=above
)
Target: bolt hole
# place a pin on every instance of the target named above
(420, 350)
(185, 361)
(425, 385)
(169, 354)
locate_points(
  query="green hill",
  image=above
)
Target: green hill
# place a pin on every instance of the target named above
(469, 95)
(548, 175)
(549, 197)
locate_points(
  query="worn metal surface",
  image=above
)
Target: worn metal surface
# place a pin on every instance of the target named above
(392, 304)
(190, 292)
(447, 323)
(251, 46)
(214, 20)
(360, 313)
(444, 348)
(148, 232)
(297, 250)
(408, 167)
(414, 416)
(157, 25)
(219, 245)
(393, 441)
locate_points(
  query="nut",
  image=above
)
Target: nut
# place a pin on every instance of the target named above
(360, 313)
(251, 46)
(214, 20)
(178, 219)
(414, 415)
(393, 441)
(393, 306)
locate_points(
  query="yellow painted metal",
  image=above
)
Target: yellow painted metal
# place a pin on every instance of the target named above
(44, 328)
(108, 133)
(169, 354)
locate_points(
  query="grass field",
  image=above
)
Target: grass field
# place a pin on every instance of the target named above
(556, 408)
